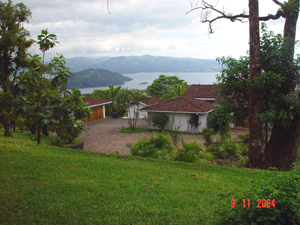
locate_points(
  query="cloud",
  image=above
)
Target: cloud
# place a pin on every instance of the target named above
(137, 27)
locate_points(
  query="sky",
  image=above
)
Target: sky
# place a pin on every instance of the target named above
(86, 28)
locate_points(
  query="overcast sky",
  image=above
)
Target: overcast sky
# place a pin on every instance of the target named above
(137, 27)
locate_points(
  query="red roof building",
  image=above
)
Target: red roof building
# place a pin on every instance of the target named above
(200, 91)
(98, 108)
(181, 105)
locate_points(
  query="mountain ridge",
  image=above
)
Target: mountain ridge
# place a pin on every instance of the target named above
(144, 63)
(96, 78)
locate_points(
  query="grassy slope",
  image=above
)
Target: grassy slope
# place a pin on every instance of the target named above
(49, 185)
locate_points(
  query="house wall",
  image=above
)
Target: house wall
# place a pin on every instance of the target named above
(134, 108)
(97, 114)
(181, 121)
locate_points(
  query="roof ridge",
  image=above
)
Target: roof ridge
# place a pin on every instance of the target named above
(193, 103)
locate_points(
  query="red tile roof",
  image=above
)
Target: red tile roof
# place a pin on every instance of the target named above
(182, 104)
(95, 101)
(154, 100)
(200, 91)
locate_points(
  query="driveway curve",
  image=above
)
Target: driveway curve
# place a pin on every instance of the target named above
(103, 135)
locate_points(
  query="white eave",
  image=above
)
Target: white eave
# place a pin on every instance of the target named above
(179, 112)
(92, 106)
(206, 99)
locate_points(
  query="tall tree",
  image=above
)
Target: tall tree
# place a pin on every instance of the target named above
(46, 41)
(14, 42)
(281, 150)
(255, 102)
(282, 147)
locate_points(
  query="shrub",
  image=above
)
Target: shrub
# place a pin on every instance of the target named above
(225, 150)
(207, 135)
(190, 151)
(160, 120)
(230, 147)
(283, 192)
(215, 149)
(243, 149)
(244, 138)
(159, 145)
(241, 162)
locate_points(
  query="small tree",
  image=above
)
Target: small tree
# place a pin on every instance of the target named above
(161, 86)
(44, 103)
(160, 120)
(134, 102)
(14, 43)
(220, 120)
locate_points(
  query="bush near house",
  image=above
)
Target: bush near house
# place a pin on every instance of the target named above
(160, 120)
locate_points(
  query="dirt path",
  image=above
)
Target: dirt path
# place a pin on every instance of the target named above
(103, 136)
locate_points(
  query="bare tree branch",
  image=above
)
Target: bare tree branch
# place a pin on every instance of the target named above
(206, 10)
(107, 4)
(277, 2)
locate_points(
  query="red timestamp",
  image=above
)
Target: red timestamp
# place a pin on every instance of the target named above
(261, 203)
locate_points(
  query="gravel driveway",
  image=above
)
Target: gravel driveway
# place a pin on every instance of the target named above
(103, 135)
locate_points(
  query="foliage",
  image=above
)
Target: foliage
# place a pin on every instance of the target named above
(225, 150)
(242, 162)
(276, 82)
(14, 42)
(158, 145)
(190, 151)
(220, 120)
(163, 85)
(244, 138)
(229, 148)
(233, 85)
(174, 91)
(160, 120)
(96, 78)
(132, 101)
(283, 192)
(242, 149)
(207, 135)
(43, 102)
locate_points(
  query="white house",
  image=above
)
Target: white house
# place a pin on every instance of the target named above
(135, 110)
(188, 112)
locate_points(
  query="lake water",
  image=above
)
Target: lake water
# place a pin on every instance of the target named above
(191, 78)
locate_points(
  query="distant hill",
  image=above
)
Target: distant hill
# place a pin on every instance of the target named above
(145, 63)
(96, 78)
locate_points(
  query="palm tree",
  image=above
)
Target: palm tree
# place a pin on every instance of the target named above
(113, 96)
(135, 98)
(178, 90)
(46, 41)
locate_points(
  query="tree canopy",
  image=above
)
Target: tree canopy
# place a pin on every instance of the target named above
(163, 85)
(14, 42)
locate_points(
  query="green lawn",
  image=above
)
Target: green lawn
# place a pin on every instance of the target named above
(51, 185)
(141, 130)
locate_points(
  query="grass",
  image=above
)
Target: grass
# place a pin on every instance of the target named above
(141, 130)
(50, 185)
(134, 131)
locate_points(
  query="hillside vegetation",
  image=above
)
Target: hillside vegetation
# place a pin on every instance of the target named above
(145, 63)
(50, 185)
(96, 78)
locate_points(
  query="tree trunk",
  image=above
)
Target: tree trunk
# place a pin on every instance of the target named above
(281, 150)
(255, 102)
(7, 132)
